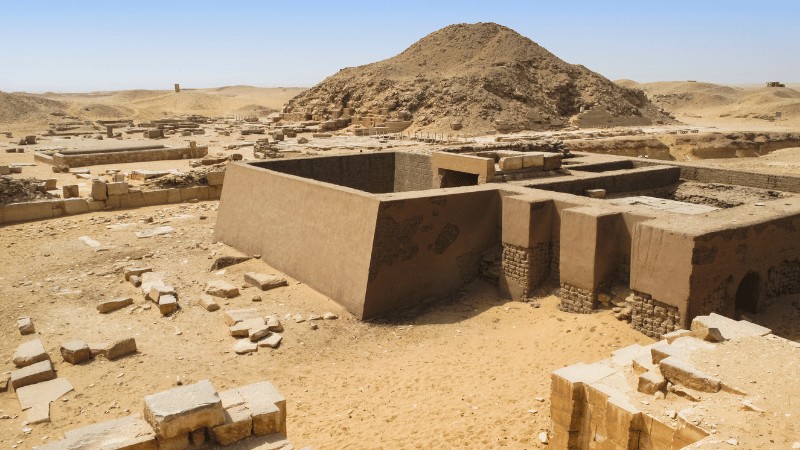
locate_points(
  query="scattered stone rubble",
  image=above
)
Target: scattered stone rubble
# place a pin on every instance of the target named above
(191, 416)
(17, 190)
(614, 403)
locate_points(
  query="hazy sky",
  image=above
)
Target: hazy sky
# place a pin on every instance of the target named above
(64, 45)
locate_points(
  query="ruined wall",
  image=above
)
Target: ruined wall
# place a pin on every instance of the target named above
(371, 172)
(614, 181)
(693, 172)
(317, 233)
(722, 258)
(412, 172)
(427, 245)
(653, 318)
(118, 157)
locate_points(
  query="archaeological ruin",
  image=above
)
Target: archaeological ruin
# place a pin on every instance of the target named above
(388, 230)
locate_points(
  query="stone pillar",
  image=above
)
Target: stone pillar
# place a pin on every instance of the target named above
(177, 87)
(527, 245)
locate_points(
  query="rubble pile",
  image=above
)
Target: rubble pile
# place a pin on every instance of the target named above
(16, 190)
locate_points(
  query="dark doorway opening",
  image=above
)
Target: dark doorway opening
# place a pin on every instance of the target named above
(747, 294)
(454, 178)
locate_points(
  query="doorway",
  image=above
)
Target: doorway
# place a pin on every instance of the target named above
(747, 294)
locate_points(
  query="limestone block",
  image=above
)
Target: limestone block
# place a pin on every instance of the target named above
(25, 326)
(99, 190)
(107, 306)
(70, 191)
(32, 374)
(234, 316)
(181, 410)
(650, 382)
(75, 352)
(207, 302)
(642, 364)
(238, 425)
(138, 271)
(174, 443)
(672, 335)
(35, 399)
(167, 304)
(215, 178)
(50, 184)
(271, 341)
(678, 371)
(126, 433)
(510, 163)
(135, 280)
(729, 329)
(552, 161)
(244, 346)
(258, 332)
(159, 290)
(532, 160)
(30, 352)
(274, 324)
(5, 170)
(220, 288)
(263, 281)
(267, 407)
(663, 350)
(242, 329)
(596, 193)
(150, 279)
(121, 348)
(711, 334)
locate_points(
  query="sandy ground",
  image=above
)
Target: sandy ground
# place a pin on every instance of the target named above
(464, 373)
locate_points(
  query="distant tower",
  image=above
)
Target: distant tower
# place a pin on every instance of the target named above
(177, 87)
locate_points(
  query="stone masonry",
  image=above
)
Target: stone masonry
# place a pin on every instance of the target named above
(652, 317)
(577, 300)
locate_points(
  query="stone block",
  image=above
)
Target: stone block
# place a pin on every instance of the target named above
(181, 410)
(244, 346)
(174, 443)
(173, 195)
(220, 288)
(159, 290)
(242, 329)
(234, 316)
(126, 433)
(263, 281)
(274, 324)
(32, 374)
(532, 160)
(157, 197)
(130, 271)
(238, 425)
(672, 335)
(120, 348)
(215, 178)
(729, 329)
(651, 382)
(132, 199)
(552, 161)
(167, 304)
(207, 302)
(99, 190)
(5, 170)
(678, 371)
(75, 352)
(510, 163)
(25, 326)
(75, 206)
(28, 353)
(107, 306)
(258, 332)
(663, 350)
(271, 341)
(70, 191)
(596, 193)
(267, 407)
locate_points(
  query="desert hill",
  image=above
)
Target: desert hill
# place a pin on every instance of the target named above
(33, 111)
(689, 99)
(480, 75)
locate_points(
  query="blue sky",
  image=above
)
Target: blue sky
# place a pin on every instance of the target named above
(71, 46)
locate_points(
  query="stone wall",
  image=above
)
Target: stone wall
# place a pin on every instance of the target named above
(369, 172)
(412, 172)
(727, 176)
(118, 157)
(528, 267)
(784, 278)
(652, 317)
(577, 300)
(614, 181)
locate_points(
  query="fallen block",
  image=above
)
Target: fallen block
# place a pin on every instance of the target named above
(131, 271)
(244, 346)
(263, 281)
(120, 348)
(128, 433)
(267, 407)
(30, 352)
(259, 332)
(651, 382)
(678, 371)
(107, 306)
(274, 324)
(75, 352)
(32, 374)
(207, 302)
(70, 191)
(242, 329)
(220, 288)
(25, 326)
(167, 304)
(271, 341)
(179, 411)
(234, 316)
(238, 425)
(159, 290)
(35, 399)
(729, 329)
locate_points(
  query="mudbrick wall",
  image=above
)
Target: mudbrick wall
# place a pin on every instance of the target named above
(577, 300)
(652, 317)
(529, 267)
(412, 172)
(118, 157)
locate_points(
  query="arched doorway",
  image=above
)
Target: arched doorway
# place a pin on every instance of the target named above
(747, 294)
